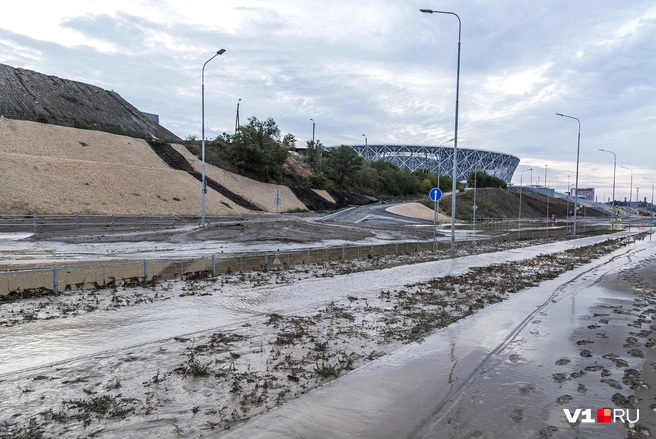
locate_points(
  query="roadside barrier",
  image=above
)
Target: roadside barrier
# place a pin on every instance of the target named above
(67, 277)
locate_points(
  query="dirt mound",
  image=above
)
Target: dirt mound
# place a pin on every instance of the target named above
(177, 161)
(417, 210)
(504, 203)
(50, 169)
(33, 96)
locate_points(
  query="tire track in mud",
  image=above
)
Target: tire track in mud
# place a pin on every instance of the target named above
(457, 392)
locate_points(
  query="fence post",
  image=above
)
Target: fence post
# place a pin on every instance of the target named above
(34, 223)
(266, 258)
(112, 221)
(145, 262)
(343, 252)
(144, 220)
(76, 221)
(55, 280)
(213, 265)
(308, 258)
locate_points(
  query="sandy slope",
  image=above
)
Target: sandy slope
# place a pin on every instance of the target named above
(259, 193)
(417, 210)
(51, 169)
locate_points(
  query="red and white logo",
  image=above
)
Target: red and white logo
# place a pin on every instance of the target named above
(604, 416)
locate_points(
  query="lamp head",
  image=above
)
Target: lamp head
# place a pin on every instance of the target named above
(427, 11)
(220, 52)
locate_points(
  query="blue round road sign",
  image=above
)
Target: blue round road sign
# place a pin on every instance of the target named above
(435, 194)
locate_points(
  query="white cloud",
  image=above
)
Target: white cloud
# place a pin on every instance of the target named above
(375, 67)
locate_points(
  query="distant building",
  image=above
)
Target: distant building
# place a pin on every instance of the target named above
(153, 117)
(584, 193)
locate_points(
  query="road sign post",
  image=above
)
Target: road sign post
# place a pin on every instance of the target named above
(277, 200)
(435, 194)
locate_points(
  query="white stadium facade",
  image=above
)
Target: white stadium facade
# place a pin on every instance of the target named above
(439, 159)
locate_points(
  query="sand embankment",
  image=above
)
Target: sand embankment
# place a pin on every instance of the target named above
(50, 169)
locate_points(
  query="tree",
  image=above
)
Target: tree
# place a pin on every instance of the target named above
(342, 165)
(289, 142)
(483, 179)
(224, 138)
(314, 153)
(256, 149)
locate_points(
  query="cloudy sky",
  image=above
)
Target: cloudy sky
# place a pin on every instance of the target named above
(379, 68)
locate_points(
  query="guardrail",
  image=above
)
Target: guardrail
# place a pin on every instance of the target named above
(132, 273)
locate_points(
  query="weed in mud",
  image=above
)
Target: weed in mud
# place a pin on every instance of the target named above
(326, 370)
(195, 367)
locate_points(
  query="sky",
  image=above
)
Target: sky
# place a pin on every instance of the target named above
(379, 68)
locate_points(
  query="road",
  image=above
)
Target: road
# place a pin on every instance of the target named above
(491, 375)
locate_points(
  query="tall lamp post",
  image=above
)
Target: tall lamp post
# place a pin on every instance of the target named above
(567, 213)
(521, 176)
(612, 220)
(312, 131)
(630, 187)
(547, 187)
(630, 195)
(237, 118)
(365, 141)
(578, 150)
(455, 137)
(203, 182)
(474, 207)
(651, 216)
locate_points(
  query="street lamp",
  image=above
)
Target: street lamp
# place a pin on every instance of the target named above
(614, 169)
(578, 149)
(237, 118)
(652, 189)
(547, 187)
(569, 194)
(203, 182)
(455, 137)
(630, 195)
(365, 141)
(651, 216)
(521, 176)
(474, 207)
(630, 187)
(312, 131)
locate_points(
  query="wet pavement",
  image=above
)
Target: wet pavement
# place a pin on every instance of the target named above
(488, 376)
(49, 342)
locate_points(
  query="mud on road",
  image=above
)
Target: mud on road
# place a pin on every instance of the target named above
(212, 381)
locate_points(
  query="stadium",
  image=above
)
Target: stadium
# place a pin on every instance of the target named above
(439, 159)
